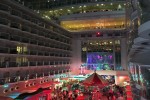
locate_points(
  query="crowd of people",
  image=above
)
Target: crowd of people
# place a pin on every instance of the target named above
(59, 94)
(114, 92)
(110, 92)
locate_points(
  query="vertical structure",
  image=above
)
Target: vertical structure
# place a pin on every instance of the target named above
(124, 53)
(138, 48)
(76, 56)
(32, 50)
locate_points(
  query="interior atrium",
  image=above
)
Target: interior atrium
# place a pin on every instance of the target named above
(46, 43)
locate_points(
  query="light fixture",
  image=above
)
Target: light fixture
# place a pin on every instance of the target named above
(72, 7)
(97, 5)
(102, 4)
(111, 3)
(84, 6)
(5, 85)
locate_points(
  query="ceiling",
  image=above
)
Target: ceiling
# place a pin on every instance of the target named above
(50, 4)
(102, 23)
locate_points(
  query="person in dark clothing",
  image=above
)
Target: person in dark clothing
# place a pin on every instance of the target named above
(107, 95)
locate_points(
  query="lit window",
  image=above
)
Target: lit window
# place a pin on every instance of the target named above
(19, 49)
(119, 6)
(84, 49)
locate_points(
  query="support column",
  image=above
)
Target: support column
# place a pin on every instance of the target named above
(116, 79)
(114, 57)
(124, 53)
(76, 60)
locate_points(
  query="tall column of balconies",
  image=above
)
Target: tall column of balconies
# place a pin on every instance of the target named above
(138, 40)
(31, 46)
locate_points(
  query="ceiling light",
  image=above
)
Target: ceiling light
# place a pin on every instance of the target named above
(102, 4)
(80, 6)
(97, 5)
(48, 1)
(84, 5)
(60, 9)
(72, 7)
(111, 3)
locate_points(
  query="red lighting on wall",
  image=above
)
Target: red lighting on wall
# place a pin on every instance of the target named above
(98, 34)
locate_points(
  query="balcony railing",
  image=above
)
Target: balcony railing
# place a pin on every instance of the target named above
(23, 75)
(4, 21)
(4, 7)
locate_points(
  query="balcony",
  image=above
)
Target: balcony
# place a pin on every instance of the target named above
(25, 73)
(4, 21)
(4, 7)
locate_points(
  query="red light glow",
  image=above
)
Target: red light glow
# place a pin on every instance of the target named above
(98, 33)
